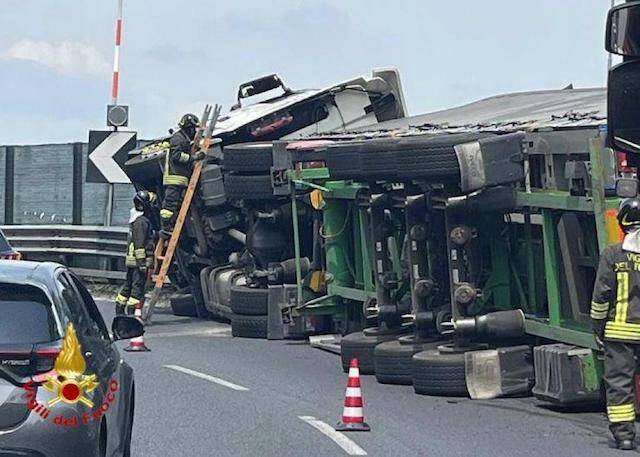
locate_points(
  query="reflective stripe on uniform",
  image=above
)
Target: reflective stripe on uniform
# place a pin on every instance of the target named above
(599, 315)
(599, 310)
(175, 180)
(622, 331)
(166, 214)
(184, 157)
(131, 258)
(133, 301)
(121, 299)
(621, 413)
(168, 177)
(140, 253)
(622, 299)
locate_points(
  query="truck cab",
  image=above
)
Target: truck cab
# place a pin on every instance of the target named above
(220, 223)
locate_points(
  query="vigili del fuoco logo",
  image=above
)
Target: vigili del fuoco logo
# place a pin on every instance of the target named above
(70, 384)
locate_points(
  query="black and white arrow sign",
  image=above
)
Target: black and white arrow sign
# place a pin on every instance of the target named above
(108, 152)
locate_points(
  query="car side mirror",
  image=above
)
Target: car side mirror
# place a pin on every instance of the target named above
(627, 187)
(126, 327)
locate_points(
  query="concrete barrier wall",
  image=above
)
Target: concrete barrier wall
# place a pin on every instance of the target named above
(48, 186)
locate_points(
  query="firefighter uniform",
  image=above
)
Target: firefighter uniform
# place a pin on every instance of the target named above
(177, 169)
(138, 260)
(615, 312)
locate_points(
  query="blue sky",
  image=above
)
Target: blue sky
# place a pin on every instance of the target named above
(56, 56)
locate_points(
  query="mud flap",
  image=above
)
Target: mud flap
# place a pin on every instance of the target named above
(566, 374)
(491, 161)
(499, 372)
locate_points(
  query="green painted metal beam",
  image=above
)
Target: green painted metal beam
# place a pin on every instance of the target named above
(554, 200)
(597, 184)
(551, 266)
(560, 334)
(351, 293)
(343, 190)
(309, 174)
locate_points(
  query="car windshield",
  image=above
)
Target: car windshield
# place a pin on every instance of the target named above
(26, 316)
(4, 244)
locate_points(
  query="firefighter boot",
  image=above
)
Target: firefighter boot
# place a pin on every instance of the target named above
(121, 302)
(625, 445)
(131, 306)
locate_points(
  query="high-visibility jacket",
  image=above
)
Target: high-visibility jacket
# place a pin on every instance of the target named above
(616, 295)
(140, 241)
(177, 163)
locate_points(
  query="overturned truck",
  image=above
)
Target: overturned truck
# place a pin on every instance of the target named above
(456, 248)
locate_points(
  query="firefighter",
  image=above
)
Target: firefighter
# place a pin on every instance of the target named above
(177, 170)
(139, 253)
(615, 313)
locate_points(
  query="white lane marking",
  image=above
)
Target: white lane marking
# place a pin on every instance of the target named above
(206, 377)
(205, 332)
(345, 443)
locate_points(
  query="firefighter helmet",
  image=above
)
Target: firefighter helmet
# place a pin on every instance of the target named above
(189, 121)
(142, 200)
(629, 214)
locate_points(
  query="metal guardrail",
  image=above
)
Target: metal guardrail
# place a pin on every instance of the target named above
(60, 241)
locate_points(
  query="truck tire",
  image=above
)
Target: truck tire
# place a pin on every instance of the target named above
(183, 305)
(393, 361)
(248, 326)
(249, 301)
(439, 374)
(198, 300)
(360, 346)
(248, 187)
(433, 159)
(248, 157)
(418, 157)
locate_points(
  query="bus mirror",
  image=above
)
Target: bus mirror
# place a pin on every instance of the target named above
(623, 30)
(623, 107)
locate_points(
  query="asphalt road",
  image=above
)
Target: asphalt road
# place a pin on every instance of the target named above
(201, 392)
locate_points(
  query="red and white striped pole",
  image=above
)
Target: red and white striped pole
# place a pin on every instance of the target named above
(115, 87)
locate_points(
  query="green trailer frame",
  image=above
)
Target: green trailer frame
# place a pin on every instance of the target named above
(349, 257)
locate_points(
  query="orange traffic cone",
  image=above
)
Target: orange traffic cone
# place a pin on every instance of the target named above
(137, 344)
(353, 413)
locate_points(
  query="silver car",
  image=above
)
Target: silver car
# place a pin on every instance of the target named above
(64, 390)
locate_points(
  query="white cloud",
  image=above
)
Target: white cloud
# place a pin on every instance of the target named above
(65, 57)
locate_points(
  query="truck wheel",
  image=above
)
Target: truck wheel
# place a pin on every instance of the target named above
(412, 157)
(439, 373)
(198, 300)
(248, 157)
(248, 187)
(249, 326)
(360, 346)
(249, 301)
(183, 305)
(393, 360)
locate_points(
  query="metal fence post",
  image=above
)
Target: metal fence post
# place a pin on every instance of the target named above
(9, 184)
(77, 184)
